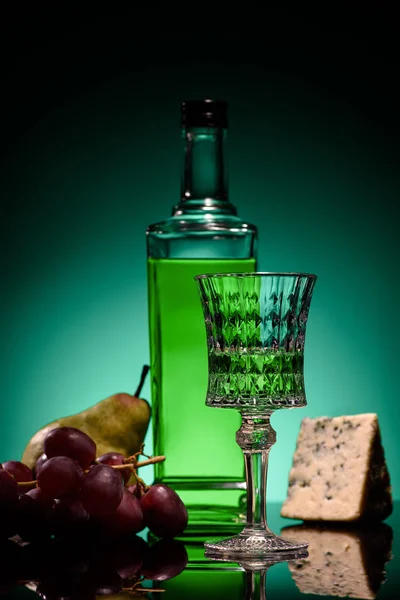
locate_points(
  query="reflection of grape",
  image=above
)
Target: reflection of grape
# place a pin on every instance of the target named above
(104, 582)
(80, 568)
(18, 470)
(164, 512)
(71, 442)
(115, 458)
(10, 566)
(127, 556)
(165, 559)
(60, 476)
(61, 589)
(102, 490)
(66, 558)
(33, 563)
(126, 519)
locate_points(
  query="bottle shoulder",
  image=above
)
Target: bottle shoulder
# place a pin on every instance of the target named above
(213, 237)
(207, 224)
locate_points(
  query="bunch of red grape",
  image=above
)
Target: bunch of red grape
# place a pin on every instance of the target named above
(77, 493)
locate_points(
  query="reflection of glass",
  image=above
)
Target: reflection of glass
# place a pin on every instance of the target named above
(256, 326)
(256, 572)
(342, 562)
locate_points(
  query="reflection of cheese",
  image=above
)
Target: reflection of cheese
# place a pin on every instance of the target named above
(341, 563)
(339, 471)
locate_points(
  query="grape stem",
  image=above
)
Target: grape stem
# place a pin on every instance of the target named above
(141, 589)
(150, 461)
(135, 587)
(134, 465)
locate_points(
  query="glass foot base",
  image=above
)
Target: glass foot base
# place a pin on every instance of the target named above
(255, 544)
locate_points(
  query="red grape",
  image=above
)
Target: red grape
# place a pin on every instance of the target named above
(71, 442)
(35, 516)
(165, 559)
(127, 518)
(8, 489)
(37, 495)
(164, 512)
(39, 463)
(102, 490)
(115, 458)
(8, 521)
(70, 518)
(60, 476)
(18, 470)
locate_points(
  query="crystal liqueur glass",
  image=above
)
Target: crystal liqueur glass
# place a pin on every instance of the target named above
(255, 327)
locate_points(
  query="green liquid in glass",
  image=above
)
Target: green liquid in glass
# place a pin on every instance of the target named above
(204, 463)
(262, 378)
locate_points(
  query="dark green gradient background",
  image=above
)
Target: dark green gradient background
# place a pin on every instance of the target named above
(92, 155)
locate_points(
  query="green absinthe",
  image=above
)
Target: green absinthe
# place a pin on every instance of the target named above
(204, 463)
(256, 379)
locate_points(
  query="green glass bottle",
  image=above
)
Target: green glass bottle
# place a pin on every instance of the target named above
(203, 235)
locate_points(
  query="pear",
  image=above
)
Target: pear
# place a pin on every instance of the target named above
(117, 423)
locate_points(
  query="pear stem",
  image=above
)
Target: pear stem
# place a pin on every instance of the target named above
(143, 463)
(143, 376)
(135, 465)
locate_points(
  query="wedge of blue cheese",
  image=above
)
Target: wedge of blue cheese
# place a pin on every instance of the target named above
(339, 472)
(343, 563)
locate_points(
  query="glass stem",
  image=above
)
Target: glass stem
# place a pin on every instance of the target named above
(255, 437)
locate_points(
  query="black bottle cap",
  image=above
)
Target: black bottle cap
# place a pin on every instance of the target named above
(204, 113)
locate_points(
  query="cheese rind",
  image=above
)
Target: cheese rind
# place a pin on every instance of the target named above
(341, 562)
(339, 471)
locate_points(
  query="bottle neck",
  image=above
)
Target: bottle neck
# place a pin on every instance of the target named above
(204, 186)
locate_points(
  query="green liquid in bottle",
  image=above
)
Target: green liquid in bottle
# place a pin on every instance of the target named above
(204, 464)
